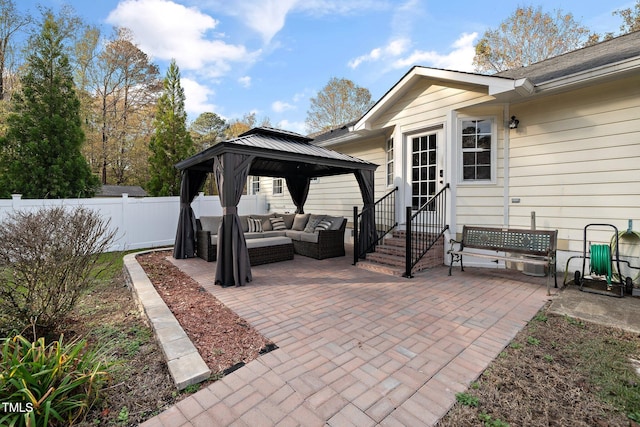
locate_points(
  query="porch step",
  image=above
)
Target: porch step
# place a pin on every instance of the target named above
(389, 257)
(380, 268)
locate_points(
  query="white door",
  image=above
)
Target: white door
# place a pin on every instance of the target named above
(425, 170)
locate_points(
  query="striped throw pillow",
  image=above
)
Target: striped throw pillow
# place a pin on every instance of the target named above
(277, 223)
(255, 225)
(323, 225)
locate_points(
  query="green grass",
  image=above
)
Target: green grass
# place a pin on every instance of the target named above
(605, 362)
(467, 399)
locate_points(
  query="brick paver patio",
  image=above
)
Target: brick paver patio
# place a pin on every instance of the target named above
(358, 348)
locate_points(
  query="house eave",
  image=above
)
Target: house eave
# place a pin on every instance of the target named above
(495, 86)
(604, 72)
(352, 136)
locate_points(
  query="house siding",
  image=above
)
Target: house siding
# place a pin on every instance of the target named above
(427, 103)
(575, 160)
(335, 195)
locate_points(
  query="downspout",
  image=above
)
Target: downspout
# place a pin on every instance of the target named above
(505, 121)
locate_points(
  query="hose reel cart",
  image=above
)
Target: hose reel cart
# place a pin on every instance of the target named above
(601, 267)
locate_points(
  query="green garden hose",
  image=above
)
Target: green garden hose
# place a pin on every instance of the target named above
(601, 261)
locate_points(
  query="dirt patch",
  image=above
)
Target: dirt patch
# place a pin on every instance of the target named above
(140, 384)
(546, 377)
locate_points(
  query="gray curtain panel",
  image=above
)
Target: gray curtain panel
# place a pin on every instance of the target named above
(367, 234)
(233, 268)
(299, 189)
(185, 243)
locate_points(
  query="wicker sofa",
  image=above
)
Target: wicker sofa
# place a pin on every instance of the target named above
(315, 236)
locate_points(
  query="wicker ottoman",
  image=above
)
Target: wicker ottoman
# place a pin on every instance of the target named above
(269, 249)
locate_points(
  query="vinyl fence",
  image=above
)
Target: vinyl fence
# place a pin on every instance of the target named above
(145, 222)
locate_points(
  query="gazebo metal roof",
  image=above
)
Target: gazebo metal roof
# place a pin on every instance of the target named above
(278, 154)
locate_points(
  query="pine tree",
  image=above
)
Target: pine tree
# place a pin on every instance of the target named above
(171, 141)
(44, 135)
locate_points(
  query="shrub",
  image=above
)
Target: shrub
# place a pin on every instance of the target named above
(52, 385)
(46, 258)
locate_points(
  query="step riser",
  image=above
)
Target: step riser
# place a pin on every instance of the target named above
(379, 261)
(394, 241)
(379, 268)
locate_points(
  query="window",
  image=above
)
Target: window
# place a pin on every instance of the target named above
(478, 145)
(277, 186)
(254, 184)
(389, 150)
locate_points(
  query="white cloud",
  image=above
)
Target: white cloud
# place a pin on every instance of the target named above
(268, 17)
(298, 127)
(196, 97)
(245, 81)
(281, 106)
(392, 49)
(166, 30)
(459, 59)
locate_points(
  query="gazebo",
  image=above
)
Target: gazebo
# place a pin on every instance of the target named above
(261, 152)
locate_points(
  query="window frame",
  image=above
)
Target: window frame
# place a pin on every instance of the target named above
(493, 150)
(253, 180)
(278, 183)
(389, 161)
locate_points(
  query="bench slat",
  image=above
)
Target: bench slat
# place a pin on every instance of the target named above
(535, 242)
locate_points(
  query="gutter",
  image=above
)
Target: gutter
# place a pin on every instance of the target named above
(609, 70)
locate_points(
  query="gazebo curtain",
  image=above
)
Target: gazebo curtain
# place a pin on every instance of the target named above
(233, 268)
(191, 182)
(298, 187)
(367, 234)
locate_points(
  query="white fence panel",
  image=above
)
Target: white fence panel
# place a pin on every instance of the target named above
(146, 222)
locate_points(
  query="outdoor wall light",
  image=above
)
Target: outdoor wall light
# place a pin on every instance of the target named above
(513, 123)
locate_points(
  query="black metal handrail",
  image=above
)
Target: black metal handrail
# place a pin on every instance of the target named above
(384, 213)
(424, 228)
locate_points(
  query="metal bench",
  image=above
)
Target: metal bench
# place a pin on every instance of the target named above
(536, 247)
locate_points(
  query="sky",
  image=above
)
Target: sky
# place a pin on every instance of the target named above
(270, 57)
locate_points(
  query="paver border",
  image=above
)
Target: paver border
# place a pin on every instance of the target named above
(185, 364)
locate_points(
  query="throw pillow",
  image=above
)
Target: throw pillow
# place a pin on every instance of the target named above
(323, 225)
(299, 222)
(255, 225)
(311, 224)
(277, 223)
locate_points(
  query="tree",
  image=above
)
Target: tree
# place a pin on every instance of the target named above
(630, 18)
(340, 101)
(208, 129)
(44, 135)
(125, 84)
(528, 36)
(171, 141)
(11, 22)
(247, 122)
